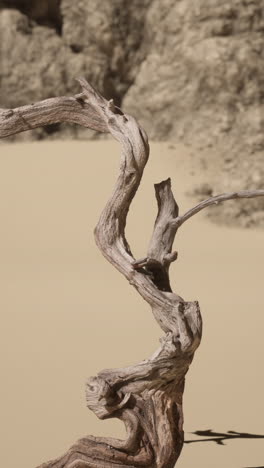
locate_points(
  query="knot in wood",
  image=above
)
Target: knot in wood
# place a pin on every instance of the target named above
(102, 399)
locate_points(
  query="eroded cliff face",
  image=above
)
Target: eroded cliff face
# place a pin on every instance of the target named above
(46, 12)
(204, 69)
(189, 70)
(202, 82)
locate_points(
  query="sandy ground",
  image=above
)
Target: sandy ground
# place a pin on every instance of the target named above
(66, 313)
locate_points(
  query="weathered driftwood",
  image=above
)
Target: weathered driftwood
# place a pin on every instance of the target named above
(147, 397)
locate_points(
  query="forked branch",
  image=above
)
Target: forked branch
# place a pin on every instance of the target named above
(147, 396)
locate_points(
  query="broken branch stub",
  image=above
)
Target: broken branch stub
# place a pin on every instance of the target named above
(147, 396)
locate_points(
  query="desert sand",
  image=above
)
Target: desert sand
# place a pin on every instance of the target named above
(57, 290)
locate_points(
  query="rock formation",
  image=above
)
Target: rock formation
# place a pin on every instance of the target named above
(190, 71)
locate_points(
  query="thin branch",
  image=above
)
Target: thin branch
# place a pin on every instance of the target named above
(177, 222)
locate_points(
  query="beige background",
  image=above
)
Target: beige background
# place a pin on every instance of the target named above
(66, 313)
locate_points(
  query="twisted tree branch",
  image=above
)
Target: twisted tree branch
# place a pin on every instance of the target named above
(147, 396)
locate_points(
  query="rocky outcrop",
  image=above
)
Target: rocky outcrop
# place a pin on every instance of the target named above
(203, 74)
(203, 82)
(46, 12)
(110, 36)
(44, 49)
(189, 70)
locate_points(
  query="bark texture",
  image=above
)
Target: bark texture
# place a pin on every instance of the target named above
(147, 397)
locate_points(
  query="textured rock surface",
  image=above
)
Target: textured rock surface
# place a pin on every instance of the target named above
(191, 71)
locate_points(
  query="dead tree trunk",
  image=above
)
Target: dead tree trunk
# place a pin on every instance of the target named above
(147, 397)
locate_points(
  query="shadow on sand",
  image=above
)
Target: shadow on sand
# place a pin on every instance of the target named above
(220, 437)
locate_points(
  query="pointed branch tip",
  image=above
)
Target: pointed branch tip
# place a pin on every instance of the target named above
(163, 183)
